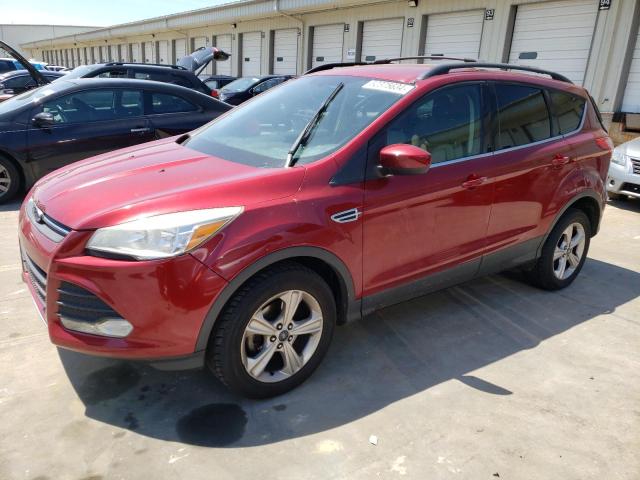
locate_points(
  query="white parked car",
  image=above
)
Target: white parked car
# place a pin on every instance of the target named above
(624, 171)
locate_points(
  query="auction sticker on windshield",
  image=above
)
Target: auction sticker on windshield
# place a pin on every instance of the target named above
(390, 87)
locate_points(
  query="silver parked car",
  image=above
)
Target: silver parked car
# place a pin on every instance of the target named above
(624, 171)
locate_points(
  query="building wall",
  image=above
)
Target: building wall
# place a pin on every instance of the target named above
(16, 35)
(606, 68)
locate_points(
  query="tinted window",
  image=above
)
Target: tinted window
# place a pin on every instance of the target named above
(182, 81)
(522, 116)
(156, 76)
(19, 82)
(95, 105)
(116, 73)
(165, 103)
(6, 66)
(568, 110)
(447, 123)
(267, 84)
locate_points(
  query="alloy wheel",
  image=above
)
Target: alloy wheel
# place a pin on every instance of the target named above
(569, 250)
(5, 180)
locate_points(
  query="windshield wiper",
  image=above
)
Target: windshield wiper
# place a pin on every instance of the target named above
(306, 132)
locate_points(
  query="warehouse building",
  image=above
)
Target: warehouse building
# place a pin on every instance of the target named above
(596, 43)
(18, 34)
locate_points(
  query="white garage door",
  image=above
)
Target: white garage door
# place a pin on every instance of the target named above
(223, 42)
(113, 53)
(327, 44)
(135, 53)
(251, 53)
(163, 51)
(124, 52)
(181, 49)
(79, 60)
(285, 51)
(555, 36)
(631, 100)
(381, 39)
(454, 34)
(149, 52)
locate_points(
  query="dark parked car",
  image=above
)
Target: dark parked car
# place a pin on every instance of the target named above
(216, 82)
(245, 88)
(18, 81)
(336, 194)
(69, 120)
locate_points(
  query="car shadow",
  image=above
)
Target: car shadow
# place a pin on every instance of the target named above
(630, 204)
(391, 355)
(12, 206)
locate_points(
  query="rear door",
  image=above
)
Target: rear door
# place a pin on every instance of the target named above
(87, 123)
(419, 225)
(173, 114)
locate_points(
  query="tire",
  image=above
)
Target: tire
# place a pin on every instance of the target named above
(234, 349)
(545, 272)
(9, 180)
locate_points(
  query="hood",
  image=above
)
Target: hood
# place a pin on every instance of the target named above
(35, 74)
(199, 59)
(631, 148)
(156, 178)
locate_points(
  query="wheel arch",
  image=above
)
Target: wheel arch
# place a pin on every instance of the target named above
(19, 166)
(323, 262)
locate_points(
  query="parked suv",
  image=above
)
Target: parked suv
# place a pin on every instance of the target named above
(624, 171)
(142, 71)
(243, 244)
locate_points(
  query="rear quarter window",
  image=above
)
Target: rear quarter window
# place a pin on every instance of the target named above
(167, 103)
(568, 110)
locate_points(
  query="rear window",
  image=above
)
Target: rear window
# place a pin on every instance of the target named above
(523, 116)
(568, 110)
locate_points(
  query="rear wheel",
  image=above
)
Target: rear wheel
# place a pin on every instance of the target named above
(274, 332)
(9, 180)
(563, 253)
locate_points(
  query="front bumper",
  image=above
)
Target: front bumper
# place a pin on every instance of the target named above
(166, 301)
(622, 180)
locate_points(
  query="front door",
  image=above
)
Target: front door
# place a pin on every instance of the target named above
(87, 123)
(436, 222)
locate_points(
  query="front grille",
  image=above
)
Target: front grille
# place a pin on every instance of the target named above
(37, 276)
(635, 164)
(76, 303)
(49, 227)
(630, 187)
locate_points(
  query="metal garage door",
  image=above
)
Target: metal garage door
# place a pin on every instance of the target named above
(124, 52)
(251, 53)
(163, 51)
(113, 53)
(135, 53)
(327, 44)
(455, 34)
(285, 51)
(223, 42)
(631, 100)
(381, 39)
(149, 52)
(555, 36)
(181, 49)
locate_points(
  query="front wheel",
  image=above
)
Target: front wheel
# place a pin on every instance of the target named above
(274, 332)
(9, 180)
(563, 253)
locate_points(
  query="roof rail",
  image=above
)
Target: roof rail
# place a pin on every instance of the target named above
(424, 57)
(329, 66)
(446, 68)
(174, 67)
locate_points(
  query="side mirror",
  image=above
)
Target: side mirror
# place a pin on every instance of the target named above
(44, 119)
(403, 159)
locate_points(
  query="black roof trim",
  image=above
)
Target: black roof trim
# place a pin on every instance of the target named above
(446, 68)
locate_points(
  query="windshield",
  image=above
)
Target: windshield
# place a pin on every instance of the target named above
(241, 84)
(81, 71)
(261, 132)
(30, 96)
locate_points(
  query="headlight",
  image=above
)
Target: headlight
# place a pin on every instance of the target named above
(618, 157)
(162, 236)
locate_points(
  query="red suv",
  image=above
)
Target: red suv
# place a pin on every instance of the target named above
(242, 244)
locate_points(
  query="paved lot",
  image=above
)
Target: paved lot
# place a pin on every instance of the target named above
(492, 379)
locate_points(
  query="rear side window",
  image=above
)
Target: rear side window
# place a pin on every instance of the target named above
(568, 110)
(523, 116)
(166, 103)
(115, 73)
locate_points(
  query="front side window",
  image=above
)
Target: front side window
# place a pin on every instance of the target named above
(523, 116)
(568, 110)
(20, 82)
(95, 106)
(166, 103)
(262, 132)
(447, 123)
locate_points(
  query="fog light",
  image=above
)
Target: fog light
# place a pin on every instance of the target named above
(106, 327)
(612, 182)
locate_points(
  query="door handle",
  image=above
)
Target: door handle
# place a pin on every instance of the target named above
(560, 160)
(473, 181)
(140, 130)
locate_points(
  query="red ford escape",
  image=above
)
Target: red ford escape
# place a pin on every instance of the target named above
(242, 244)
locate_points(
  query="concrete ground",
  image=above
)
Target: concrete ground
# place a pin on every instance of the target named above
(491, 379)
